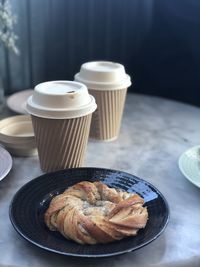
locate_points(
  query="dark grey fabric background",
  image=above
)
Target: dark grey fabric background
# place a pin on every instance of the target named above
(157, 41)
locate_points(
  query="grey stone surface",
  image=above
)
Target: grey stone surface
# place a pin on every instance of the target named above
(154, 133)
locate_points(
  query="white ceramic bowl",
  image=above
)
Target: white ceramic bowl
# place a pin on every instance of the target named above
(16, 134)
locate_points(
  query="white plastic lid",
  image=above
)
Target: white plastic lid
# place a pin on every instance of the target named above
(60, 100)
(103, 75)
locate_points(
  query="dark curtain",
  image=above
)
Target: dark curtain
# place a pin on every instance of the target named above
(157, 41)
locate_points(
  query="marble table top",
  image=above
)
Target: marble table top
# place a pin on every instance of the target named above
(153, 135)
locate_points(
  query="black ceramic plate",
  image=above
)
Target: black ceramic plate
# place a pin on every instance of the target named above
(30, 202)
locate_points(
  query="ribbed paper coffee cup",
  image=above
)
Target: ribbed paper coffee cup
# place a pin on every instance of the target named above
(108, 83)
(106, 120)
(61, 114)
(61, 143)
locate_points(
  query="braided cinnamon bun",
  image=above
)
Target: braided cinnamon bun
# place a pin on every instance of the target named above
(91, 213)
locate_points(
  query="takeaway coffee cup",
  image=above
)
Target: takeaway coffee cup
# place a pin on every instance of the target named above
(107, 82)
(61, 114)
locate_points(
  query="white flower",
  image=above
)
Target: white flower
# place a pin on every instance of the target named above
(7, 22)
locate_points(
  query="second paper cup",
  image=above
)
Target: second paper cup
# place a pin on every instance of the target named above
(108, 83)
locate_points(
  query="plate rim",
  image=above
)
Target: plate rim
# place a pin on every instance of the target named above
(16, 94)
(180, 165)
(90, 255)
(9, 167)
